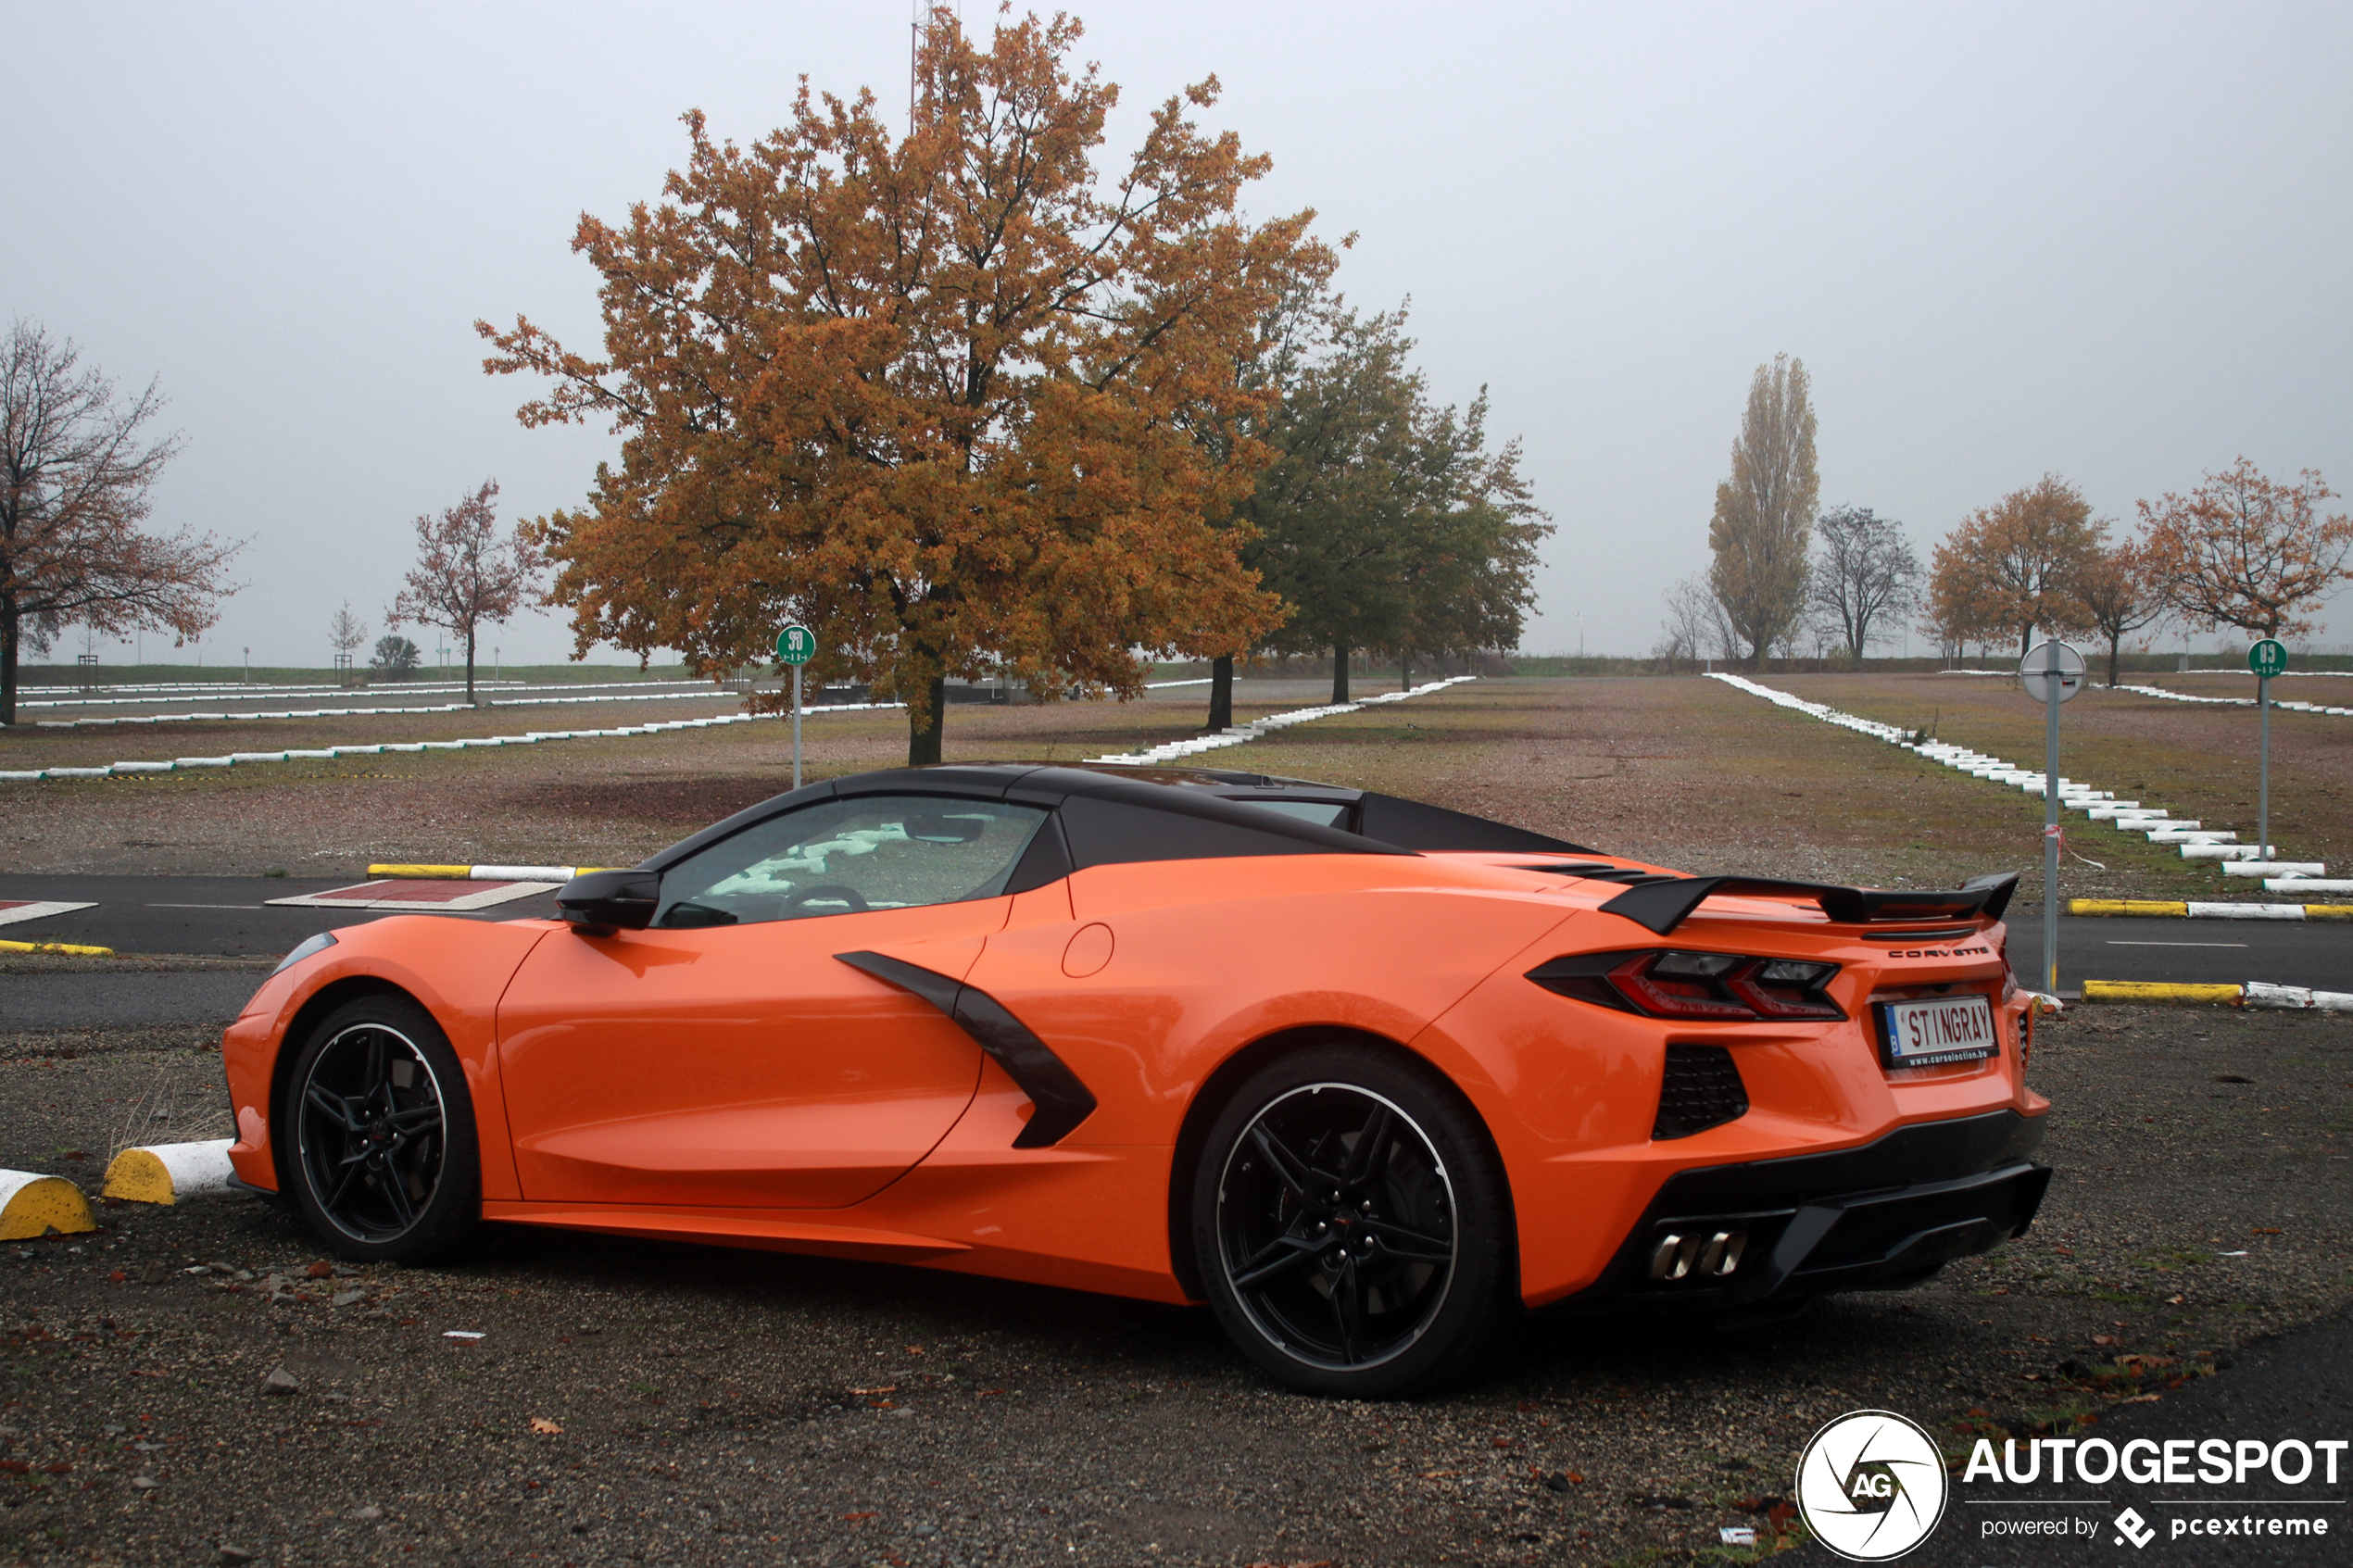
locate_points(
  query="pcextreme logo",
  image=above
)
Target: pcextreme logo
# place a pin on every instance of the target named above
(1871, 1485)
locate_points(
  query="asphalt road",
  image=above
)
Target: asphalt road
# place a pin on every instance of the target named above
(230, 915)
(226, 915)
(2299, 1387)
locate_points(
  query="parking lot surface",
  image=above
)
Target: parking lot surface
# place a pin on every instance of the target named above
(228, 915)
(639, 1403)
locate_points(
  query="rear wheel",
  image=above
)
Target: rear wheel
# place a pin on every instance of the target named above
(1352, 1224)
(380, 1133)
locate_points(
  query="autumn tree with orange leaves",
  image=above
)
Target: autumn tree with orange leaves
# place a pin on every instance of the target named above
(2014, 565)
(934, 395)
(2248, 551)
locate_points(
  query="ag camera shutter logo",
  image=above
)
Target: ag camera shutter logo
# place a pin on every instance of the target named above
(1871, 1485)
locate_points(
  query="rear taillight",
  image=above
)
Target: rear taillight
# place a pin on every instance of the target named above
(1717, 987)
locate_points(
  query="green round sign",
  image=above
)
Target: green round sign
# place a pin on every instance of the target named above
(2268, 656)
(796, 644)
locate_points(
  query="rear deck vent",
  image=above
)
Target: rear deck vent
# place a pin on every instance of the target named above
(1702, 1089)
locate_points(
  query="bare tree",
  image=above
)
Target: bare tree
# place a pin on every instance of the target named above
(1865, 574)
(1765, 510)
(1694, 627)
(466, 573)
(2115, 590)
(75, 471)
(345, 632)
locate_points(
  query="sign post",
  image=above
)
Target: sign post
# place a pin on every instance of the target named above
(2052, 673)
(2266, 659)
(796, 645)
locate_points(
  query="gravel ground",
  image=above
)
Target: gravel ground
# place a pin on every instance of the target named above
(1686, 771)
(636, 1403)
(2198, 762)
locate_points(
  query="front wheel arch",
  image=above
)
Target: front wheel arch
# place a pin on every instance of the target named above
(1192, 1134)
(318, 1006)
(425, 1108)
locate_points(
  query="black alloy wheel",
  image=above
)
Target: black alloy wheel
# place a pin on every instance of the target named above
(1351, 1226)
(379, 1132)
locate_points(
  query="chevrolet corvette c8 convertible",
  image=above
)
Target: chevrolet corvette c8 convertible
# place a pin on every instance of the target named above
(1362, 1074)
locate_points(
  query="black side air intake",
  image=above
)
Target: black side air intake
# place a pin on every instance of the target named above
(1702, 1089)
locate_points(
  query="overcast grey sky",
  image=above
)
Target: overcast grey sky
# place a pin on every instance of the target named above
(2105, 241)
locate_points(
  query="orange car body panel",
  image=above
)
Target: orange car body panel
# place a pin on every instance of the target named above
(454, 969)
(736, 1065)
(624, 1084)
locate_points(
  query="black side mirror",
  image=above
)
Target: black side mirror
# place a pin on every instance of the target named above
(603, 902)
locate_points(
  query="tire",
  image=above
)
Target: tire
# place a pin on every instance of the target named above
(1392, 1273)
(381, 1159)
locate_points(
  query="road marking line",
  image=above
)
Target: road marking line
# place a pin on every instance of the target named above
(15, 910)
(2115, 943)
(418, 896)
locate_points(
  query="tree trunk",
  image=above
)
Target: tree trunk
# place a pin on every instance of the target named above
(1406, 670)
(1339, 675)
(2112, 645)
(1221, 694)
(8, 664)
(470, 667)
(924, 729)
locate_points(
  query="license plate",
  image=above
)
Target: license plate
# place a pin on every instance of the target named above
(1939, 1030)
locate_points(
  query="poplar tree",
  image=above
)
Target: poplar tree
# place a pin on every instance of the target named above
(1763, 525)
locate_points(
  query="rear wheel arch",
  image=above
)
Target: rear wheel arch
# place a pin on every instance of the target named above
(1218, 1088)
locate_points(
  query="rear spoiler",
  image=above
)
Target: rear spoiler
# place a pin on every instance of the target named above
(1662, 906)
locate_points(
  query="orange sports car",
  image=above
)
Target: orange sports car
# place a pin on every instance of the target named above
(1362, 1074)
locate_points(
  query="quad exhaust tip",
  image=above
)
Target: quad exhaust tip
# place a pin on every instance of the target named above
(1713, 1256)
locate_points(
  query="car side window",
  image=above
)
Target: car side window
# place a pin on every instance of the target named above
(839, 857)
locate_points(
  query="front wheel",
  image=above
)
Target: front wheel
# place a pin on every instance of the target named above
(380, 1133)
(1353, 1225)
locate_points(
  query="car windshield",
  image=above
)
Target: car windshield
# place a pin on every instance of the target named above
(839, 857)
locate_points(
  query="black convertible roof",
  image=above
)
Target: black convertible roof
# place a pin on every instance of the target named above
(1105, 813)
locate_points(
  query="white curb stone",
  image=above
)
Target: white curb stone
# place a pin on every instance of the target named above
(170, 1172)
(2259, 994)
(34, 1205)
(1175, 750)
(2276, 868)
(2196, 841)
(2244, 911)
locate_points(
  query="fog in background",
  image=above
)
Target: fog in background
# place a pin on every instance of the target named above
(2107, 241)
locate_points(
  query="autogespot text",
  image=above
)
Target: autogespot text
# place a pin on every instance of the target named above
(2290, 1473)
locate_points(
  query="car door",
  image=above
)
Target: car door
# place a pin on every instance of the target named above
(724, 1056)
